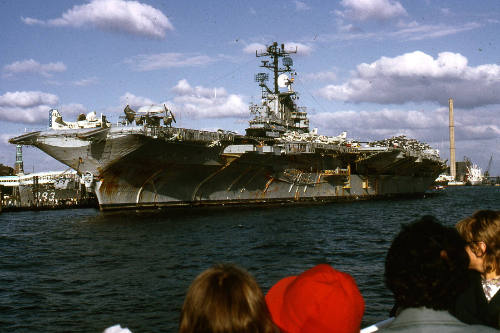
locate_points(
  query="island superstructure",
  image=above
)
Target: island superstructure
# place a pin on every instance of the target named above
(146, 162)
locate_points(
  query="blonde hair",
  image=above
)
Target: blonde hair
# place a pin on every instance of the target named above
(483, 226)
(225, 299)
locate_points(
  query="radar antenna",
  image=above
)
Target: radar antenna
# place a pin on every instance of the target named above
(262, 78)
(278, 112)
(275, 52)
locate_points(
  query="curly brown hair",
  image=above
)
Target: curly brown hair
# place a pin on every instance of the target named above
(483, 226)
(225, 299)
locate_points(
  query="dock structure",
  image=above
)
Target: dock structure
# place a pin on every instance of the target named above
(44, 190)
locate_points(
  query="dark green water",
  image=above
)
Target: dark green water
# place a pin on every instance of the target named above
(83, 270)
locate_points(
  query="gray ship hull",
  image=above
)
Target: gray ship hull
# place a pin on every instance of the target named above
(142, 168)
(184, 191)
(139, 168)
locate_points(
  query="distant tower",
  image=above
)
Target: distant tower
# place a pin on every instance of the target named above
(453, 167)
(18, 168)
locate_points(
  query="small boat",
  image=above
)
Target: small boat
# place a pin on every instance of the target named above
(474, 175)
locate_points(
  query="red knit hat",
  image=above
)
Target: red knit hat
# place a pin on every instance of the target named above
(320, 299)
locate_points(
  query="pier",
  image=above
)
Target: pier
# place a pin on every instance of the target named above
(44, 191)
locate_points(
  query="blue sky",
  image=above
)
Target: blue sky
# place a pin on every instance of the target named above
(373, 68)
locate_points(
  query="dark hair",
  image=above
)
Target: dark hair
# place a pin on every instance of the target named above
(483, 226)
(225, 299)
(426, 265)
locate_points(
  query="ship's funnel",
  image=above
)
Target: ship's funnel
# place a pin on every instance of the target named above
(453, 170)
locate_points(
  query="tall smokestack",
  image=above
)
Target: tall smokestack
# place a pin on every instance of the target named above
(453, 170)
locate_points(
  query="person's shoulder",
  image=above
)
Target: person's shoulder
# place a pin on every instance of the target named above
(428, 320)
(442, 328)
(480, 329)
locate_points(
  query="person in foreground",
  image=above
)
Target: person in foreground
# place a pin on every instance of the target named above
(225, 299)
(318, 300)
(480, 303)
(426, 269)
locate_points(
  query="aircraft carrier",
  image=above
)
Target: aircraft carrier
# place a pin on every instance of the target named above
(146, 162)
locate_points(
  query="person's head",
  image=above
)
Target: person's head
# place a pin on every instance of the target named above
(481, 231)
(320, 299)
(426, 265)
(225, 299)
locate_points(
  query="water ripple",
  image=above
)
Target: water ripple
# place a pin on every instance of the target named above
(84, 270)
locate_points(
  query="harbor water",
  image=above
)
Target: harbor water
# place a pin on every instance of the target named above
(83, 270)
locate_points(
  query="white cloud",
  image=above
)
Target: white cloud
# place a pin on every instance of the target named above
(477, 132)
(32, 107)
(481, 131)
(363, 10)
(149, 62)
(134, 101)
(382, 123)
(405, 31)
(27, 107)
(113, 15)
(445, 11)
(203, 102)
(33, 66)
(418, 77)
(27, 99)
(320, 76)
(72, 110)
(301, 49)
(86, 82)
(480, 124)
(415, 31)
(32, 21)
(183, 88)
(251, 48)
(301, 6)
(4, 138)
(195, 102)
(426, 125)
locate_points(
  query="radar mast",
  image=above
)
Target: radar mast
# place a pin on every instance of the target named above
(278, 112)
(275, 52)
